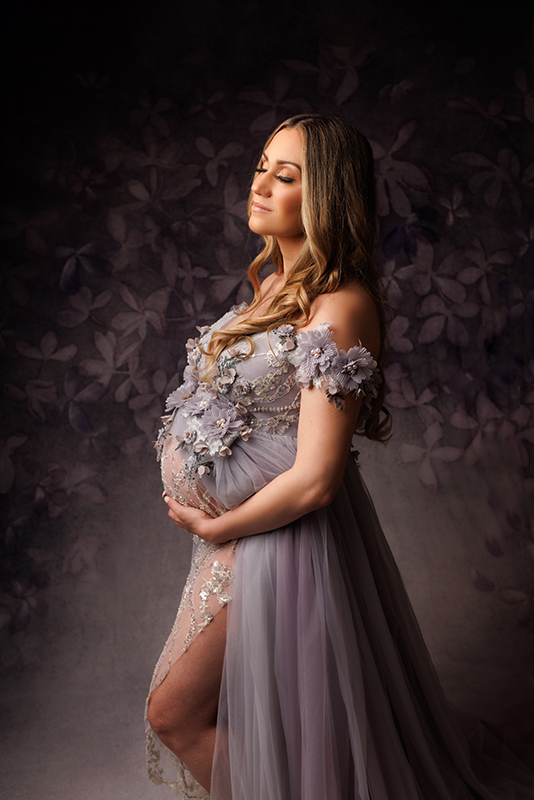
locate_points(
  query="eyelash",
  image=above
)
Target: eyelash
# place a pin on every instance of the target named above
(280, 178)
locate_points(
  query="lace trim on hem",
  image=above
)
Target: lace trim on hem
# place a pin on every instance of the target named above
(184, 783)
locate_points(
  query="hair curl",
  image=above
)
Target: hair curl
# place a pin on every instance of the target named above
(339, 220)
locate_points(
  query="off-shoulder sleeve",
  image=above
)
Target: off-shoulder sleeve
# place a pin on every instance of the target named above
(319, 363)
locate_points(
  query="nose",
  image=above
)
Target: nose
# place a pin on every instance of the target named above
(260, 184)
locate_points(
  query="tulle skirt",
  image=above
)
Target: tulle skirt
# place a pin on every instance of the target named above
(328, 691)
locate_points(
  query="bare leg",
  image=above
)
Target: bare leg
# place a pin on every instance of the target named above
(182, 710)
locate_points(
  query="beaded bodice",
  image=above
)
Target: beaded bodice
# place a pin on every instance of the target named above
(246, 396)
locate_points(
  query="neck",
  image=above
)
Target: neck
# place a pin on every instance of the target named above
(290, 249)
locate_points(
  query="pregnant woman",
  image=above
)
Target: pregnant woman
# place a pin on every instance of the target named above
(295, 669)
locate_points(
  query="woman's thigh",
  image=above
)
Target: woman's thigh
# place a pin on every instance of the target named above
(189, 694)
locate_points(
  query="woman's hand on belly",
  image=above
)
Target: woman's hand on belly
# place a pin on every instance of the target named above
(193, 520)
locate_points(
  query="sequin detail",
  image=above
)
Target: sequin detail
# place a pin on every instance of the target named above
(221, 578)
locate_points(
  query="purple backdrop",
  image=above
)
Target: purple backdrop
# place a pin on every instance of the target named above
(128, 149)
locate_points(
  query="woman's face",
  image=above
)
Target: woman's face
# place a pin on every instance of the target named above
(277, 189)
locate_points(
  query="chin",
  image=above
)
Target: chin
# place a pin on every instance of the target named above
(256, 227)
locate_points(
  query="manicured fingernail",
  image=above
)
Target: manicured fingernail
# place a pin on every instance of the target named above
(166, 499)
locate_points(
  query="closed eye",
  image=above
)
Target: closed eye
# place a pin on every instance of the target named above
(281, 178)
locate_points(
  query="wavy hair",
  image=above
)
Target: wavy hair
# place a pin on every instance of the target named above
(339, 219)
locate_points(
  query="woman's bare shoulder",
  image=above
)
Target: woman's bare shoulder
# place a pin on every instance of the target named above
(348, 299)
(352, 314)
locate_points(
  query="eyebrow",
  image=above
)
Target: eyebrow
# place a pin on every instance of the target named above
(282, 162)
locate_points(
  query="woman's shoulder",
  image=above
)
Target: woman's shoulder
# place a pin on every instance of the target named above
(352, 316)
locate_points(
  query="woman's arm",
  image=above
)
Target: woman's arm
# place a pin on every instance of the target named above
(324, 436)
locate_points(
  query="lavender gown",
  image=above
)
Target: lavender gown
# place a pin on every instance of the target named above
(328, 692)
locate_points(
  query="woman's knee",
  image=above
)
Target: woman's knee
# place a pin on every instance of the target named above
(185, 704)
(166, 718)
(175, 723)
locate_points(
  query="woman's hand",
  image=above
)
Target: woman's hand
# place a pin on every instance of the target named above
(193, 520)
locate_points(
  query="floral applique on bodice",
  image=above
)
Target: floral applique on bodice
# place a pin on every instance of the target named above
(244, 396)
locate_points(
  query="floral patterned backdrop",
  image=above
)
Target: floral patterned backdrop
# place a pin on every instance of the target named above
(128, 149)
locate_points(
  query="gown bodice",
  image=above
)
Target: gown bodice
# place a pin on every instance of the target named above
(222, 419)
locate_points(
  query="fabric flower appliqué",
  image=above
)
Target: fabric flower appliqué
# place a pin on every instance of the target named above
(354, 368)
(319, 363)
(314, 355)
(187, 439)
(200, 401)
(225, 380)
(213, 423)
(241, 387)
(181, 394)
(221, 419)
(287, 339)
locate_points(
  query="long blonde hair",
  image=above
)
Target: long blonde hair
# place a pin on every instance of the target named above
(339, 220)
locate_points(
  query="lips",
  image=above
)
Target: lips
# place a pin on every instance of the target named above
(259, 208)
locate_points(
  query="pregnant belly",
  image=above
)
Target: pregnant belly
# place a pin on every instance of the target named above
(186, 489)
(252, 464)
